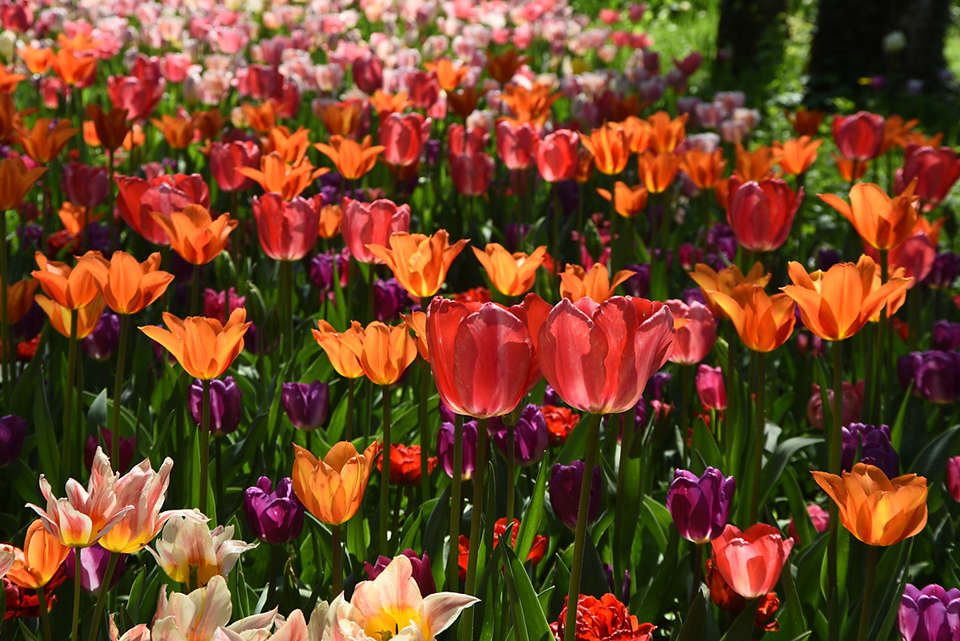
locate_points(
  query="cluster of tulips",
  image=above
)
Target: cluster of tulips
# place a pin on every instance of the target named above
(666, 393)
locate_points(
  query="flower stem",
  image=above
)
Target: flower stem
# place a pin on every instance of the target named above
(580, 535)
(758, 434)
(385, 472)
(72, 395)
(336, 552)
(424, 392)
(102, 594)
(476, 520)
(455, 488)
(6, 353)
(44, 615)
(118, 389)
(286, 306)
(348, 428)
(195, 292)
(871, 577)
(204, 445)
(78, 572)
(834, 445)
(511, 471)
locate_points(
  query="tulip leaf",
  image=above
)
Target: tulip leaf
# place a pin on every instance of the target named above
(777, 462)
(657, 520)
(576, 442)
(793, 624)
(696, 622)
(48, 446)
(25, 631)
(931, 460)
(742, 627)
(535, 625)
(533, 516)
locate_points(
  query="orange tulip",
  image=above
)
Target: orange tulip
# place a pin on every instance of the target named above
(10, 118)
(627, 201)
(71, 287)
(45, 140)
(207, 125)
(463, 102)
(726, 281)
(74, 70)
(36, 59)
(512, 274)
(341, 118)
(15, 181)
(897, 132)
(261, 118)
(638, 133)
(658, 170)
(881, 221)
(837, 303)
(332, 488)
(805, 122)
(386, 353)
(129, 286)
(530, 105)
(177, 131)
(575, 283)
(419, 262)
(416, 322)
(19, 299)
(331, 219)
(756, 164)
(798, 155)
(704, 168)
(850, 170)
(195, 234)
(449, 76)
(876, 509)
(504, 66)
(110, 127)
(342, 348)
(353, 160)
(75, 218)
(277, 176)
(387, 103)
(610, 148)
(9, 81)
(61, 317)
(204, 347)
(763, 322)
(666, 134)
(38, 561)
(292, 147)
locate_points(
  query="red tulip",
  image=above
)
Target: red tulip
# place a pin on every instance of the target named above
(484, 356)
(761, 214)
(368, 73)
(557, 155)
(462, 141)
(471, 173)
(750, 562)
(403, 137)
(696, 332)
(287, 228)
(163, 194)
(935, 170)
(860, 136)
(516, 143)
(372, 224)
(598, 356)
(227, 157)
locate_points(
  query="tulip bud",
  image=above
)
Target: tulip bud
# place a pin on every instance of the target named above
(445, 442)
(946, 335)
(13, 429)
(225, 407)
(700, 505)
(389, 299)
(306, 404)
(565, 484)
(711, 388)
(953, 477)
(216, 304)
(850, 404)
(274, 515)
(530, 436)
(93, 566)
(818, 516)
(102, 342)
(873, 444)
(933, 374)
(421, 570)
(946, 268)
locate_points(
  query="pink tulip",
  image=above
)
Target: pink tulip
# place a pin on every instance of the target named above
(696, 332)
(516, 144)
(227, 157)
(403, 137)
(372, 224)
(953, 477)
(557, 155)
(711, 388)
(750, 562)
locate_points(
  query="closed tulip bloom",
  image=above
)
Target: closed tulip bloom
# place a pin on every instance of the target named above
(386, 353)
(287, 229)
(859, 137)
(761, 214)
(204, 347)
(138, 200)
(102, 341)
(420, 565)
(953, 477)
(565, 482)
(342, 348)
(751, 561)
(530, 438)
(805, 122)
(657, 170)
(763, 322)
(225, 405)
(275, 515)
(576, 283)
(836, 304)
(483, 357)
(129, 286)
(874, 508)
(882, 222)
(472, 173)
(511, 274)
(869, 444)
(190, 552)
(929, 614)
(610, 148)
(403, 137)
(599, 356)
(332, 488)
(226, 159)
(798, 155)
(557, 155)
(373, 223)
(627, 201)
(932, 373)
(15, 181)
(38, 561)
(85, 515)
(711, 388)
(445, 450)
(700, 506)
(726, 281)
(19, 299)
(704, 168)
(306, 404)
(516, 144)
(936, 170)
(352, 159)
(418, 262)
(93, 567)
(71, 287)
(13, 430)
(696, 332)
(195, 234)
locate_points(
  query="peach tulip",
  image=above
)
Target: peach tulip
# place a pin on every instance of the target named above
(696, 329)
(188, 550)
(373, 223)
(751, 561)
(332, 488)
(419, 263)
(204, 347)
(38, 561)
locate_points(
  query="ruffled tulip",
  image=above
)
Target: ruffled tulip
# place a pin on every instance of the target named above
(751, 561)
(332, 488)
(204, 347)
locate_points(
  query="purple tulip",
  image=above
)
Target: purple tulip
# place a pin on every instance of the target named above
(128, 446)
(445, 447)
(530, 436)
(13, 429)
(565, 483)
(225, 407)
(274, 515)
(721, 240)
(389, 299)
(306, 404)
(929, 614)
(933, 374)
(638, 285)
(550, 397)
(873, 444)
(421, 570)
(658, 384)
(946, 268)
(700, 505)
(514, 234)
(827, 257)
(325, 267)
(93, 567)
(946, 335)
(102, 342)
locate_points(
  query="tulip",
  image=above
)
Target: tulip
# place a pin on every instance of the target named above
(565, 484)
(189, 552)
(851, 403)
(556, 155)
(225, 404)
(657, 170)
(763, 322)
(420, 567)
(352, 159)
(953, 477)
(71, 287)
(37, 563)
(139, 201)
(94, 568)
(111, 126)
(195, 235)
(403, 137)
(19, 299)
(13, 430)
(881, 221)
(405, 464)
(936, 170)
(342, 348)
(872, 443)
(798, 155)
(603, 619)
(101, 343)
(805, 122)
(627, 201)
(366, 224)
(483, 357)
(836, 304)
(726, 281)
(128, 286)
(754, 165)
(287, 229)
(307, 404)
(418, 262)
(226, 159)
(472, 173)
(275, 515)
(761, 214)
(445, 448)
(516, 144)
(696, 332)
(61, 317)
(126, 448)
(15, 181)
(751, 561)
(44, 140)
(933, 374)
(874, 508)
(221, 304)
(819, 518)
(945, 269)
(275, 175)
(860, 136)
(609, 147)
(332, 488)
(511, 274)
(929, 613)
(576, 283)
(711, 388)
(704, 168)
(700, 506)
(386, 352)
(529, 438)
(204, 347)
(945, 335)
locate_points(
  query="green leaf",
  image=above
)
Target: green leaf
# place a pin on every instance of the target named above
(695, 623)
(535, 625)
(778, 461)
(931, 460)
(657, 520)
(742, 627)
(533, 515)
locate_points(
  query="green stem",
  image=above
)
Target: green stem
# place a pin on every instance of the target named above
(348, 427)
(580, 534)
(44, 615)
(883, 328)
(286, 306)
(834, 445)
(70, 404)
(871, 576)
(78, 572)
(5, 352)
(336, 552)
(456, 482)
(511, 471)
(385, 471)
(195, 291)
(204, 445)
(102, 594)
(424, 433)
(758, 435)
(476, 519)
(118, 389)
